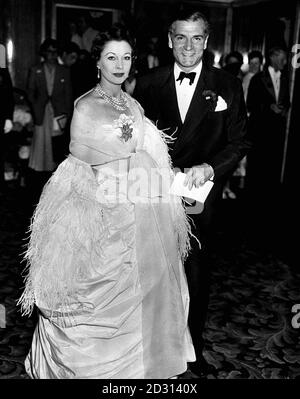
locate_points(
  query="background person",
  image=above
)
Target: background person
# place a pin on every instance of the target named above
(267, 102)
(50, 95)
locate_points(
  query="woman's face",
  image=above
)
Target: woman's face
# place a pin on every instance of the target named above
(115, 62)
(51, 55)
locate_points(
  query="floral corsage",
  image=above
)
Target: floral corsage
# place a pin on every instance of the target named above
(124, 125)
(215, 103)
(211, 97)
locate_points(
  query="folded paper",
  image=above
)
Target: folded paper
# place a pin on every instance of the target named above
(199, 194)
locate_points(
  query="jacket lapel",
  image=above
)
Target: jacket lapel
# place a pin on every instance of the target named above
(41, 78)
(198, 108)
(168, 98)
(267, 81)
(283, 91)
(57, 78)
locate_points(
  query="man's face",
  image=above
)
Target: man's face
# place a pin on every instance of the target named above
(82, 25)
(188, 40)
(69, 58)
(254, 65)
(51, 55)
(278, 60)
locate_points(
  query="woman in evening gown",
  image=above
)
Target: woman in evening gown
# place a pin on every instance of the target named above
(107, 241)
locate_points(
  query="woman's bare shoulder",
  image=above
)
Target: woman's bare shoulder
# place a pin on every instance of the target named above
(86, 102)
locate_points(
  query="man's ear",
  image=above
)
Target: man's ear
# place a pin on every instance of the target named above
(205, 42)
(170, 40)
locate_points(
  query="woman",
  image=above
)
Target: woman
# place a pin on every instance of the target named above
(105, 249)
(50, 95)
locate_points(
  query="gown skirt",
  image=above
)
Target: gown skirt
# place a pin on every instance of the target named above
(128, 318)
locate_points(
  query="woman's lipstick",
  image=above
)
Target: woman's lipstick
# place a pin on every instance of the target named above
(118, 75)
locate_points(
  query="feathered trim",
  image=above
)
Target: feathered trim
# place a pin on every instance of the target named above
(155, 143)
(67, 226)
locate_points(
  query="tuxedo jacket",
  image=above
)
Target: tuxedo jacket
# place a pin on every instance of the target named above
(261, 95)
(6, 97)
(61, 98)
(218, 138)
(267, 129)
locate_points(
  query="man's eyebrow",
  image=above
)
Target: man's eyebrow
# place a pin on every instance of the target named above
(182, 34)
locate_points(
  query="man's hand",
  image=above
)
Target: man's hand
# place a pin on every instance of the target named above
(198, 175)
(8, 126)
(276, 108)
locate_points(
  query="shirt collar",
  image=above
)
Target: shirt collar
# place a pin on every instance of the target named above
(197, 69)
(273, 72)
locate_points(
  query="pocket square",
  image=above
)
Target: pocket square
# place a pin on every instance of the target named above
(221, 104)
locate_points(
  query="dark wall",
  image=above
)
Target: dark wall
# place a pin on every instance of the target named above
(152, 17)
(21, 21)
(262, 26)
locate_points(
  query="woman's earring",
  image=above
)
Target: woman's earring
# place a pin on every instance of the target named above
(98, 73)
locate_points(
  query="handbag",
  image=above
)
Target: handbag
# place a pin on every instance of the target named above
(59, 124)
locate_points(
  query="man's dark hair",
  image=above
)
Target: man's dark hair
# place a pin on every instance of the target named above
(47, 43)
(234, 54)
(69, 48)
(255, 54)
(189, 13)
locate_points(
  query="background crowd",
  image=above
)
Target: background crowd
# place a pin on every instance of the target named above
(29, 163)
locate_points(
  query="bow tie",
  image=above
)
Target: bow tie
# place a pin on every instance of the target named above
(191, 76)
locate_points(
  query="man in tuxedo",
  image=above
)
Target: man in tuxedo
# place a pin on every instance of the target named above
(203, 108)
(267, 102)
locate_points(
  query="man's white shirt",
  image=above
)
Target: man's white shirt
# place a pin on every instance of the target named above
(275, 76)
(184, 90)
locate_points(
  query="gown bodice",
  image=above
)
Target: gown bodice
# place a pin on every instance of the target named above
(101, 139)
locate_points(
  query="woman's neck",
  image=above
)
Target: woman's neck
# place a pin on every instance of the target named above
(111, 89)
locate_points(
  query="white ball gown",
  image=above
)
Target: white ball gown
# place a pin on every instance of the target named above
(106, 272)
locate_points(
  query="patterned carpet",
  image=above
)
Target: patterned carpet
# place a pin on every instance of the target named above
(249, 334)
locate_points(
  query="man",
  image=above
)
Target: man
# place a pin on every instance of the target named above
(233, 63)
(86, 32)
(267, 103)
(255, 60)
(208, 143)
(69, 54)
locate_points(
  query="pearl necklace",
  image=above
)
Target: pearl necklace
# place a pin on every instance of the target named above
(120, 104)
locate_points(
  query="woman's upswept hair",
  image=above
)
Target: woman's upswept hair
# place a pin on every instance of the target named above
(117, 32)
